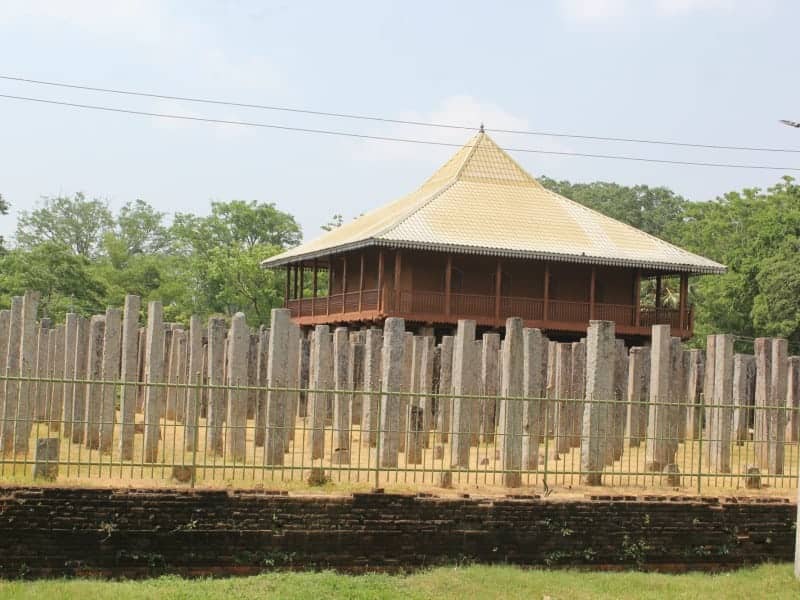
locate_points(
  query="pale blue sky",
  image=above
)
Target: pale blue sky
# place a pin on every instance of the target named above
(710, 71)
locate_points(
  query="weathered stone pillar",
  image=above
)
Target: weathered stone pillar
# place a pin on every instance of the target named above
(465, 382)
(392, 362)
(176, 344)
(372, 385)
(744, 388)
(577, 390)
(252, 373)
(56, 407)
(217, 398)
(694, 387)
(721, 424)
(129, 374)
(793, 400)
(421, 382)
(408, 368)
(24, 424)
(303, 373)
(292, 401)
(321, 380)
(490, 385)
(194, 395)
(81, 358)
(277, 374)
(12, 369)
(153, 374)
(534, 363)
(511, 408)
(414, 437)
(619, 410)
(777, 414)
(5, 323)
(341, 405)
(661, 427)
(677, 392)
(94, 390)
(709, 370)
(638, 395)
(262, 360)
(445, 404)
(355, 374)
(68, 389)
(42, 393)
(141, 353)
(112, 339)
(562, 388)
(475, 411)
(600, 357)
(550, 382)
(425, 386)
(236, 422)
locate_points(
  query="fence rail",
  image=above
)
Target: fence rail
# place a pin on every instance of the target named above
(193, 439)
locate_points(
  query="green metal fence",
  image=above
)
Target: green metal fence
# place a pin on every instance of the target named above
(193, 446)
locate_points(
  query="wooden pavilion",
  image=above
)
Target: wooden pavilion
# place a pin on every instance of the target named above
(481, 239)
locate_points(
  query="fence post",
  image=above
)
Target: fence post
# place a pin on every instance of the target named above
(378, 438)
(546, 434)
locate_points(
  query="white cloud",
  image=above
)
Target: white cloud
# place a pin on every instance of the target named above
(607, 11)
(686, 7)
(594, 10)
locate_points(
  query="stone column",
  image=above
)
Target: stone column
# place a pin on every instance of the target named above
(141, 352)
(619, 411)
(321, 380)
(426, 383)
(341, 405)
(721, 424)
(130, 375)
(777, 415)
(277, 374)
(27, 399)
(475, 411)
(217, 398)
(193, 395)
(111, 372)
(661, 427)
(355, 374)
(490, 385)
(408, 361)
(445, 404)
(793, 400)
(677, 392)
(511, 408)
(562, 388)
(303, 374)
(236, 378)
(709, 370)
(292, 400)
(263, 382)
(5, 323)
(372, 385)
(94, 390)
(534, 362)
(600, 356)
(12, 369)
(638, 395)
(40, 397)
(252, 374)
(465, 382)
(56, 407)
(577, 390)
(175, 347)
(550, 382)
(153, 373)
(81, 358)
(694, 387)
(68, 389)
(744, 387)
(392, 362)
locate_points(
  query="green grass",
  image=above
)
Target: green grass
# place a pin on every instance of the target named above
(769, 581)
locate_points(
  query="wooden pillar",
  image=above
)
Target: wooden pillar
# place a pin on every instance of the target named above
(546, 314)
(314, 282)
(398, 265)
(684, 299)
(448, 283)
(498, 288)
(658, 292)
(302, 273)
(296, 278)
(592, 291)
(344, 281)
(361, 284)
(637, 298)
(286, 291)
(380, 280)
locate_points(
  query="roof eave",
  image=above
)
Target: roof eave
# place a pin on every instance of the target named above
(712, 269)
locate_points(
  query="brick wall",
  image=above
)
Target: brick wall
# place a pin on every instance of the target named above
(55, 531)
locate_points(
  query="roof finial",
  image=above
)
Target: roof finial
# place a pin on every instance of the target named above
(481, 129)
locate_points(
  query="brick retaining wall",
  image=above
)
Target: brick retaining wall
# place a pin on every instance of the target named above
(57, 531)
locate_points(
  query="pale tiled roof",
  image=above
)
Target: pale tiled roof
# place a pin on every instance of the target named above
(482, 202)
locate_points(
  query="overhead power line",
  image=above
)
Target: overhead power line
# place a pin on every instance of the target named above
(379, 119)
(383, 138)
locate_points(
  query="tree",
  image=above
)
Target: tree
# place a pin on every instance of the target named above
(75, 223)
(335, 222)
(224, 252)
(141, 228)
(3, 211)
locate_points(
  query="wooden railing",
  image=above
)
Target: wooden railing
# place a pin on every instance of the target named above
(434, 307)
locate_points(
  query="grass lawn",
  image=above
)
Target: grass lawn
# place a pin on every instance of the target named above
(770, 581)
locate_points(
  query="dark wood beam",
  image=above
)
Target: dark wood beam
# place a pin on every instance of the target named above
(637, 298)
(592, 287)
(398, 265)
(658, 291)
(361, 284)
(448, 284)
(288, 282)
(498, 287)
(546, 314)
(380, 279)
